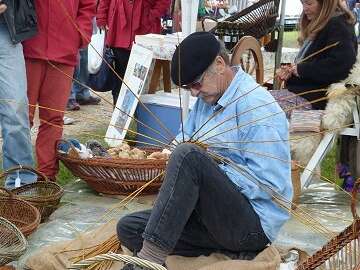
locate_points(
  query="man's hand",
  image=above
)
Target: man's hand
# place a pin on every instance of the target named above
(2, 7)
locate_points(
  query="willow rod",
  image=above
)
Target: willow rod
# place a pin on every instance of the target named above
(279, 198)
(259, 119)
(263, 105)
(311, 55)
(285, 161)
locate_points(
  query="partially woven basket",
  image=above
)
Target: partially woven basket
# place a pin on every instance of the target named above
(118, 176)
(19, 212)
(341, 252)
(12, 242)
(43, 194)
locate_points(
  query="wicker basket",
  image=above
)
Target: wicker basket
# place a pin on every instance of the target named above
(117, 175)
(257, 20)
(19, 212)
(341, 252)
(43, 194)
(12, 242)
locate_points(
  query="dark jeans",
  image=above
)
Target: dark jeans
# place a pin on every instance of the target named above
(81, 74)
(121, 60)
(198, 211)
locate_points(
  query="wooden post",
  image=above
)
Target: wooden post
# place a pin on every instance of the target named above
(163, 65)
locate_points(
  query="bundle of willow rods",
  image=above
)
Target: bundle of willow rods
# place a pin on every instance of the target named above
(110, 245)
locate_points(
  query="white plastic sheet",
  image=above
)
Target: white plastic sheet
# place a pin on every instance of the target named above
(95, 48)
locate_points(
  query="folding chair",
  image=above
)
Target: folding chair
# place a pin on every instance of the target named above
(327, 142)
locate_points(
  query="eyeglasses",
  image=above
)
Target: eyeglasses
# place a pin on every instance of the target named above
(197, 84)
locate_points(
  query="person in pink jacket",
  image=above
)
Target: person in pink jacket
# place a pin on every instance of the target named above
(125, 19)
(64, 27)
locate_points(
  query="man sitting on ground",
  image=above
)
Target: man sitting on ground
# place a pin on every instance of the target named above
(222, 204)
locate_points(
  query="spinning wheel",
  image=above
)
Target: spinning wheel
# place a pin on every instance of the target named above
(247, 54)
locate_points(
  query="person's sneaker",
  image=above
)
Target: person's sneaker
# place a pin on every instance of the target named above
(68, 120)
(89, 101)
(72, 105)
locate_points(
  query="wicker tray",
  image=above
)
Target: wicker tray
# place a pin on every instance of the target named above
(117, 175)
(43, 194)
(19, 212)
(341, 252)
(12, 242)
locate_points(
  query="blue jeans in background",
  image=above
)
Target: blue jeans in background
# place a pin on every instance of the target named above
(14, 119)
(81, 74)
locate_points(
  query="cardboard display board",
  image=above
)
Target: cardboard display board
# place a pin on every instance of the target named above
(135, 76)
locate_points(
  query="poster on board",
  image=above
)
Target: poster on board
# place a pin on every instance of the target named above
(135, 77)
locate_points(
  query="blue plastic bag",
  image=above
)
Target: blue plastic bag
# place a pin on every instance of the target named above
(105, 79)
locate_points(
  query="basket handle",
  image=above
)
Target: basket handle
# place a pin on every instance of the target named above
(353, 199)
(10, 194)
(24, 168)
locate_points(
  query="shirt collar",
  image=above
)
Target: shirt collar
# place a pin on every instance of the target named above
(231, 91)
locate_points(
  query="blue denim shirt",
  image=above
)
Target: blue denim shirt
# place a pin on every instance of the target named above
(251, 121)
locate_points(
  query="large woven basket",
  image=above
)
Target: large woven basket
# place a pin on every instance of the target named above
(12, 242)
(341, 252)
(119, 176)
(19, 212)
(257, 20)
(43, 194)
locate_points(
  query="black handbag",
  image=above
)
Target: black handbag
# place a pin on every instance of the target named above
(105, 79)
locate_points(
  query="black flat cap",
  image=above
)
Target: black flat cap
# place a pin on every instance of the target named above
(193, 56)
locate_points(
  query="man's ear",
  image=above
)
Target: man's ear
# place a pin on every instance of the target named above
(220, 65)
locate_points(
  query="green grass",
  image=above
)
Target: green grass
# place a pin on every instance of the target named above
(290, 39)
(328, 166)
(64, 176)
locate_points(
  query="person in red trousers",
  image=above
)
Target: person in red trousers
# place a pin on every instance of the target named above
(64, 27)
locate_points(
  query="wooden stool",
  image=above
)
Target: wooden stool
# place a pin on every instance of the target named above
(163, 65)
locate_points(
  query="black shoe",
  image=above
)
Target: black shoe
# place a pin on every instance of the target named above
(72, 105)
(131, 266)
(89, 101)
